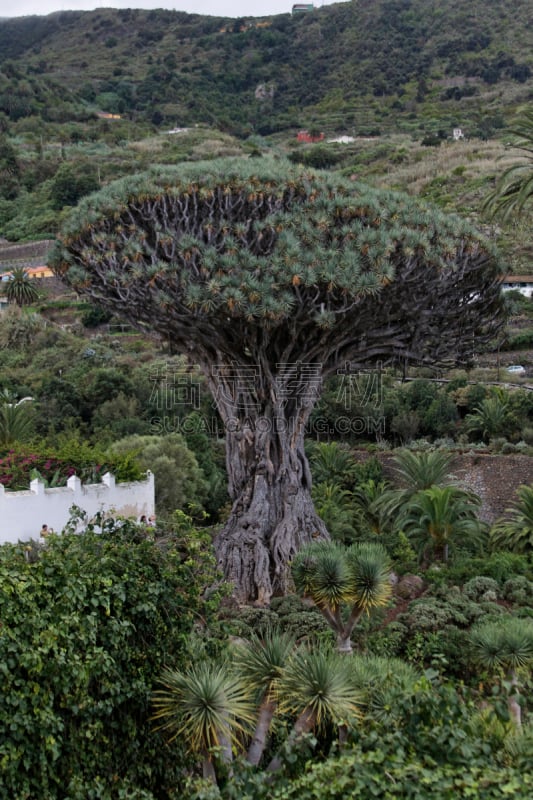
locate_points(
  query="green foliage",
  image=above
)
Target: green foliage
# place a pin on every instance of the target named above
(19, 328)
(20, 289)
(16, 421)
(85, 629)
(333, 576)
(69, 185)
(360, 773)
(482, 588)
(57, 464)
(179, 480)
(514, 187)
(439, 518)
(514, 531)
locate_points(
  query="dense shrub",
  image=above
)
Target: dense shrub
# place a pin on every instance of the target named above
(481, 588)
(85, 630)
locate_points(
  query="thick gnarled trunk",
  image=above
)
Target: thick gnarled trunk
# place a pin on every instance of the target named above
(272, 513)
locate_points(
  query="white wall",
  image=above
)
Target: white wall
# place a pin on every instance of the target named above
(23, 513)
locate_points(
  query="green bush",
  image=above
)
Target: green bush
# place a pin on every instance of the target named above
(518, 590)
(85, 630)
(481, 588)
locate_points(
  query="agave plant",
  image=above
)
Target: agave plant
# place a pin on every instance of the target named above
(505, 645)
(209, 706)
(332, 576)
(515, 530)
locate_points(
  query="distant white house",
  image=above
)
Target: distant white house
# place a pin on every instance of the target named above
(457, 134)
(342, 140)
(518, 283)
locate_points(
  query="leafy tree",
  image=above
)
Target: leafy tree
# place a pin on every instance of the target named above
(415, 471)
(332, 576)
(20, 289)
(179, 480)
(9, 169)
(70, 183)
(421, 470)
(515, 530)
(440, 517)
(514, 188)
(269, 276)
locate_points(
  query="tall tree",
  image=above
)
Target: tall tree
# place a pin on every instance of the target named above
(269, 276)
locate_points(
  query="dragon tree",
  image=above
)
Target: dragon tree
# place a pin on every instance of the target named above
(269, 276)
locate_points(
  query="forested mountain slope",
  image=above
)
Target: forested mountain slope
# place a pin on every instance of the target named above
(362, 65)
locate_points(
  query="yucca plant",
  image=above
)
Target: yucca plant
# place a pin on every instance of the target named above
(20, 289)
(261, 663)
(333, 577)
(505, 646)
(318, 688)
(514, 531)
(209, 706)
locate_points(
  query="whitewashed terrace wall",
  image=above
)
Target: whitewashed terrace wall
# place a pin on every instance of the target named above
(23, 513)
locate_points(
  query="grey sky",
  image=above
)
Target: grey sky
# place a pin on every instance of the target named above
(218, 8)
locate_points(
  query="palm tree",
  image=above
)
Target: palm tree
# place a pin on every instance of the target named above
(415, 471)
(332, 576)
(422, 470)
(20, 289)
(505, 645)
(332, 462)
(369, 499)
(515, 531)
(437, 517)
(490, 418)
(16, 420)
(209, 706)
(261, 663)
(318, 688)
(514, 188)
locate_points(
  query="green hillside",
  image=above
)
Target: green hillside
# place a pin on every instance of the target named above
(365, 65)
